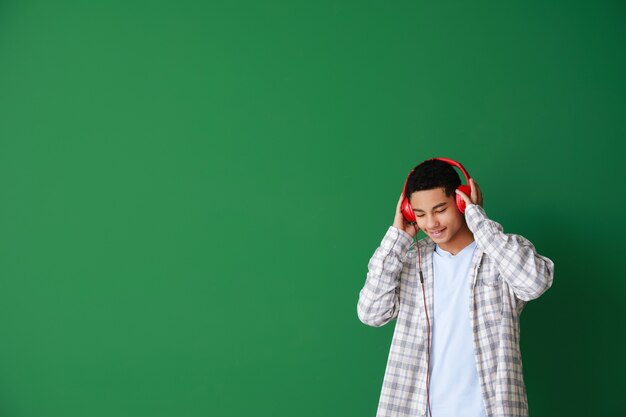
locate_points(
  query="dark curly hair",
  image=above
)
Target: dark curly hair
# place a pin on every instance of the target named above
(431, 174)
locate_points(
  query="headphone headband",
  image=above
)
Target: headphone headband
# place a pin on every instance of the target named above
(447, 160)
(456, 164)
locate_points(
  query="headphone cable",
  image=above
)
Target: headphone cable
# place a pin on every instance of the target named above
(419, 254)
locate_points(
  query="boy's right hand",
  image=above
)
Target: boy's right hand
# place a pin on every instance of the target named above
(399, 222)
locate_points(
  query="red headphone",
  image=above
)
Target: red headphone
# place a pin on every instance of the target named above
(407, 209)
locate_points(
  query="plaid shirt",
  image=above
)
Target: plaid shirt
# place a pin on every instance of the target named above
(506, 273)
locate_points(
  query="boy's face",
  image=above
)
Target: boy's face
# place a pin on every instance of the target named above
(437, 215)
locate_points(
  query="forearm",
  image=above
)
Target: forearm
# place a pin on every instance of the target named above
(378, 300)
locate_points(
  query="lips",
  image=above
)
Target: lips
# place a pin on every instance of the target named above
(438, 233)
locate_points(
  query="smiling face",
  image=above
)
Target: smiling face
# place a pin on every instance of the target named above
(438, 216)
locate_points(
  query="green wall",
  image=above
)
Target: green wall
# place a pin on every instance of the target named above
(190, 193)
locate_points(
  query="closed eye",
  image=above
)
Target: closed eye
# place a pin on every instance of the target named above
(440, 211)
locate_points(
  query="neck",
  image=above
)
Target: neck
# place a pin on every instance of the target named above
(462, 238)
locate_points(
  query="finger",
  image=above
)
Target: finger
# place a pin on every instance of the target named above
(476, 186)
(400, 200)
(463, 196)
(473, 188)
(479, 193)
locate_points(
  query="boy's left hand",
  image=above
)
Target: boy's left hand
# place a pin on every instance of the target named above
(477, 195)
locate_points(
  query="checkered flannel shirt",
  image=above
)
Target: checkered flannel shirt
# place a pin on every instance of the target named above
(506, 273)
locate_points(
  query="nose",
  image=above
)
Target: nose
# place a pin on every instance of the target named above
(431, 222)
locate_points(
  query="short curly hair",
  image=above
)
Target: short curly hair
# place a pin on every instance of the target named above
(431, 174)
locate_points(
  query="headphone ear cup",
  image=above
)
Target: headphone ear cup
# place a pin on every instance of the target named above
(460, 203)
(407, 211)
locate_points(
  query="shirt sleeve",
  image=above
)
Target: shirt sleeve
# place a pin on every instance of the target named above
(528, 273)
(378, 300)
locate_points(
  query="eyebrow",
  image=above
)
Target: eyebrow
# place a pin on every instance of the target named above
(434, 207)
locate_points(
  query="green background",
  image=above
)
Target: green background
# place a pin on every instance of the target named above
(190, 193)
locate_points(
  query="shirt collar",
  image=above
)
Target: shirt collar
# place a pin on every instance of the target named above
(447, 254)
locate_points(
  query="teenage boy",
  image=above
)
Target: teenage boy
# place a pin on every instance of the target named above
(457, 296)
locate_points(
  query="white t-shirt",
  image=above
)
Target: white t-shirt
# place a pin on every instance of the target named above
(454, 385)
